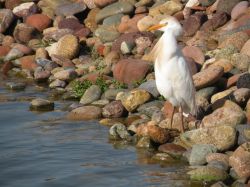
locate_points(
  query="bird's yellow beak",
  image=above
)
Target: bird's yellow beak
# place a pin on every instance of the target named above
(156, 27)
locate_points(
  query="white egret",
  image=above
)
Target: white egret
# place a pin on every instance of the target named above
(173, 78)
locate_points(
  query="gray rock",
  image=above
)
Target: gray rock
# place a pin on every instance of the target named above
(150, 108)
(70, 9)
(119, 131)
(113, 20)
(243, 132)
(206, 92)
(150, 86)
(16, 86)
(127, 47)
(106, 34)
(46, 64)
(92, 94)
(199, 153)
(41, 105)
(57, 83)
(110, 94)
(219, 165)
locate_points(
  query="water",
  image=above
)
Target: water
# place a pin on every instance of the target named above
(44, 149)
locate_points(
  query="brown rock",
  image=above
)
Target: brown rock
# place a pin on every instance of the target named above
(115, 109)
(8, 40)
(7, 66)
(10, 4)
(70, 23)
(6, 17)
(218, 157)
(224, 63)
(192, 65)
(39, 21)
(172, 149)
(239, 9)
(103, 3)
(23, 33)
(90, 20)
(226, 6)
(246, 48)
(130, 70)
(167, 109)
(218, 20)
(240, 160)
(233, 80)
(128, 25)
(208, 76)
(4, 50)
(194, 53)
(23, 48)
(85, 113)
(28, 62)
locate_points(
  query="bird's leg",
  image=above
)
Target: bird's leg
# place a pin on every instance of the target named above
(182, 124)
(172, 116)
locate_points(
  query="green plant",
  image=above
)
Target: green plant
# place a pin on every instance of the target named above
(119, 85)
(100, 81)
(139, 82)
(79, 87)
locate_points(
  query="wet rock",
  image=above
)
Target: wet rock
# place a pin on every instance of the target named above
(194, 53)
(6, 17)
(206, 173)
(218, 20)
(246, 48)
(107, 34)
(85, 113)
(207, 77)
(93, 93)
(119, 131)
(144, 142)
(241, 61)
(40, 104)
(240, 160)
(237, 39)
(239, 9)
(25, 9)
(193, 23)
(70, 9)
(130, 70)
(133, 99)
(223, 137)
(219, 184)
(150, 86)
(38, 21)
(115, 8)
(115, 109)
(46, 64)
(230, 114)
(57, 84)
(16, 86)
(199, 153)
(163, 157)
(23, 33)
(244, 81)
(243, 133)
(41, 75)
(174, 150)
(66, 75)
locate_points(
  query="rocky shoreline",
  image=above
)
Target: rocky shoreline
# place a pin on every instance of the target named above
(96, 52)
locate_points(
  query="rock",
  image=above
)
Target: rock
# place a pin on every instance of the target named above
(13, 54)
(119, 131)
(174, 150)
(142, 43)
(70, 23)
(218, 20)
(127, 47)
(103, 3)
(219, 184)
(55, 33)
(66, 75)
(206, 173)
(90, 20)
(57, 84)
(100, 103)
(150, 86)
(85, 113)
(41, 75)
(38, 21)
(241, 96)
(129, 25)
(10, 4)
(206, 92)
(70, 9)
(25, 9)
(199, 153)
(4, 50)
(6, 17)
(115, 8)
(163, 157)
(222, 137)
(222, 95)
(206, 3)
(244, 81)
(41, 53)
(229, 115)
(239, 9)
(207, 77)
(16, 86)
(243, 133)
(130, 70)
(193, 23)
(107, 34)
(115, 109)
(227, 52)
(40, 104)
(23, 33)
(237, 39)
(27, 62)
(110, 94)
(245, 49)
(240, 61)
(150, 108)
(146, 22)
(114, 20)
(225, 6)
(144, 142)
(6, 67)
(219, 157)
(133, 99)
(224, 63)
(46, 64)
(93, 93)
(167, 8)
(194, 53)
(240, 160)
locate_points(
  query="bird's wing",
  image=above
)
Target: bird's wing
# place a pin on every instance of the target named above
(184, 89)
(156, 50)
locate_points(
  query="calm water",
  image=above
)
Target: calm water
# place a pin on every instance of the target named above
(44, 149)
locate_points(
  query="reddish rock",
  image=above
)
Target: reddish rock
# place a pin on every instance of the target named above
(83, 32)
(93, 77)
(130, 70)
(218, 20)
(240, 160)
(233, 80)
(8, 40)
(115, 109)
(103, 3)
(64, 62)
(70, 23)
(23, 48)
(241, 24)
(41, 75)
(4, 50)
(172, 149)
(246, 48)
(193, 23)
(128, 25)
(141, 10)
(10, 4)
(7, 66)
(23, 33)
(85, 113)
(26, 9)
(239, 9)
(218, 157)
(39, 21)
(194, 53)
(28, 62)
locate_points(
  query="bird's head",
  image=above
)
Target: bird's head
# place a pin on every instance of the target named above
(168, 24)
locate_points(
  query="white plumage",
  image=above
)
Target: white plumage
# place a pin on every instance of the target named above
(173, 78)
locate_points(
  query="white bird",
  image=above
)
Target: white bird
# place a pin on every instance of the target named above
(173, 78)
